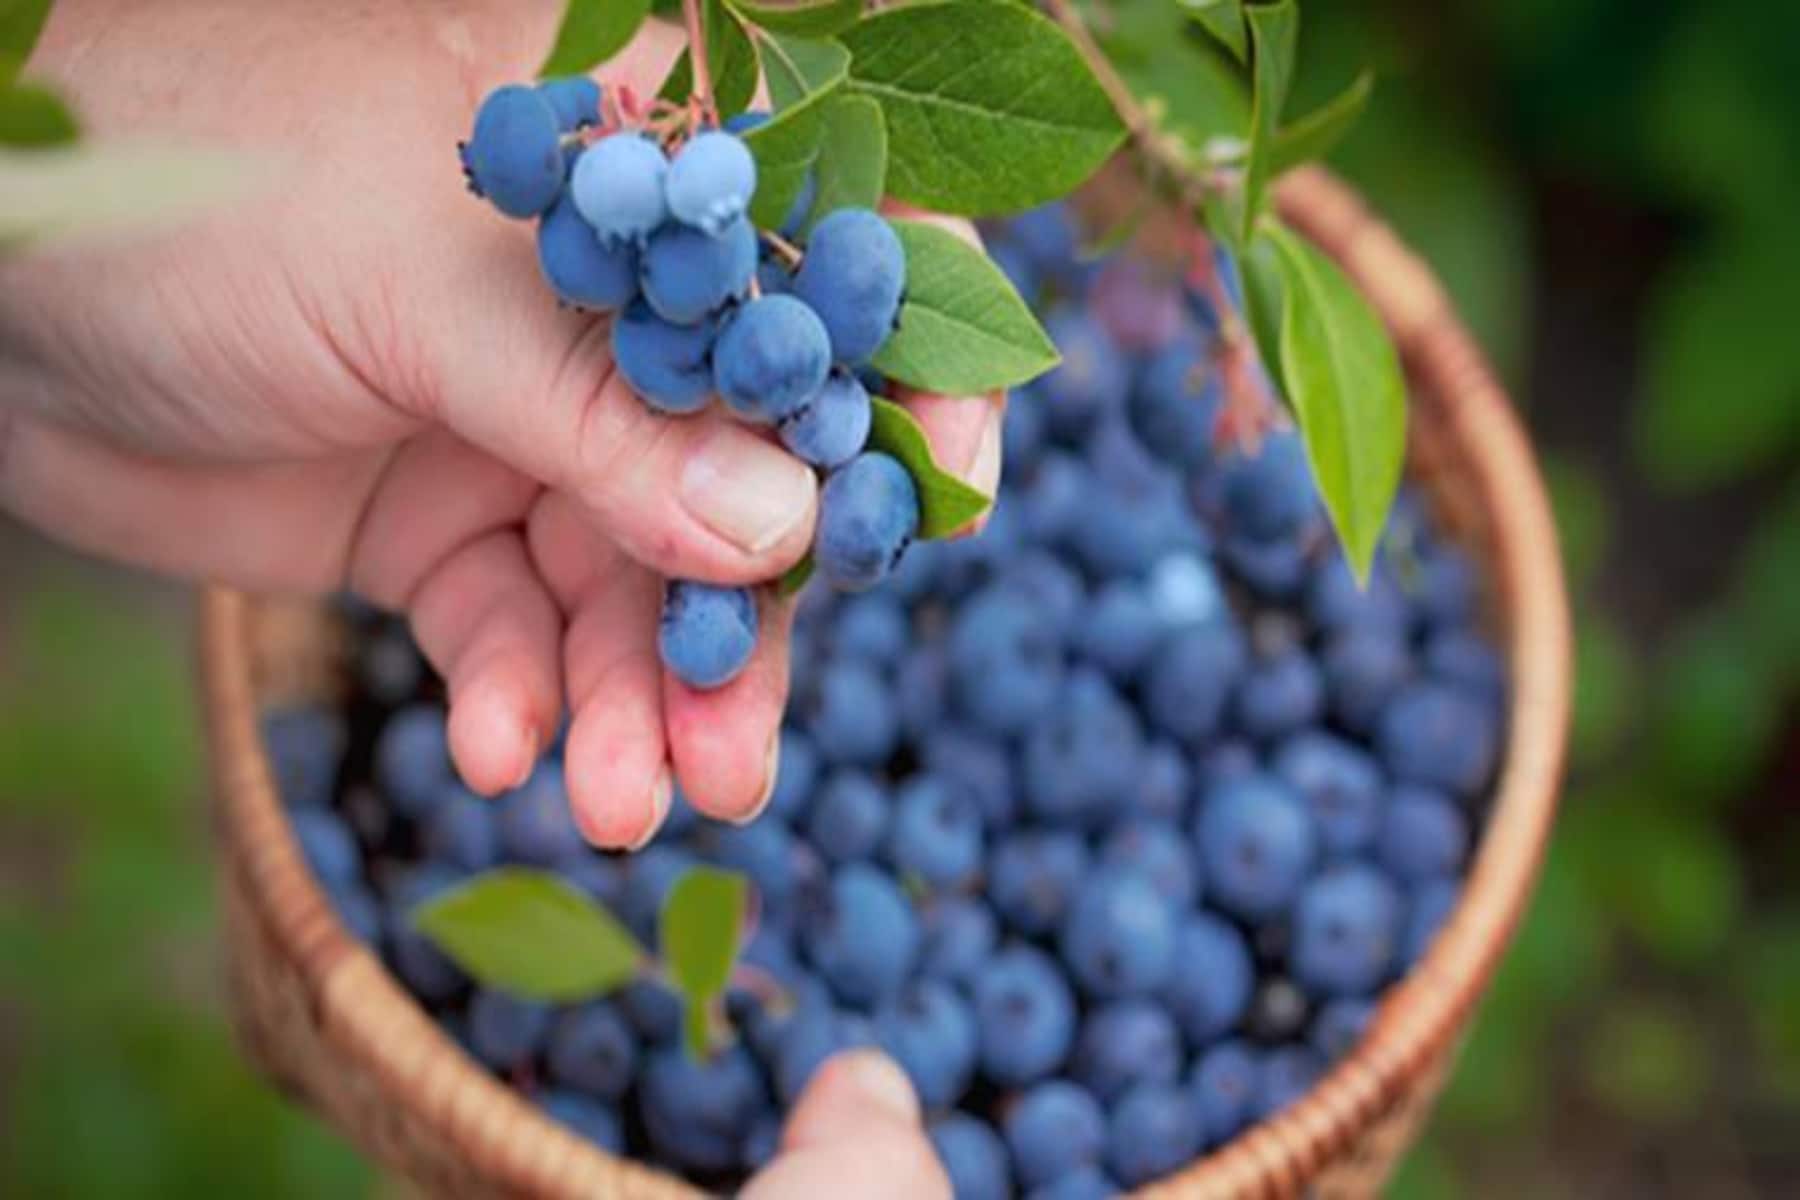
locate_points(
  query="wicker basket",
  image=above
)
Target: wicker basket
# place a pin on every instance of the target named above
(320, 1015)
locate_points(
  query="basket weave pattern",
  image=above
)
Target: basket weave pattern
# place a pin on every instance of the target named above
(318, 1013)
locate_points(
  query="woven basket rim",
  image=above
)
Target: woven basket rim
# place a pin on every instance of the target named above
(367, 1015)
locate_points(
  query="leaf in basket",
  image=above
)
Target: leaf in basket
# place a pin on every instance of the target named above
(531, 933)
(701, 926)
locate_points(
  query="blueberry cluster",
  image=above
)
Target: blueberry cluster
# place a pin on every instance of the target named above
(706, 307)
(1111, 826)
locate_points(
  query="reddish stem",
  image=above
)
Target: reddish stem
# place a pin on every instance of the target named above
(702, 73)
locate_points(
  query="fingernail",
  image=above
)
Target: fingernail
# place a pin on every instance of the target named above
(747, 491)
(983, 471)
(882, 1082)
(771, 772)
(661, 796)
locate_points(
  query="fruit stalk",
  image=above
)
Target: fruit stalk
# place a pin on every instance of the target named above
(696, 35)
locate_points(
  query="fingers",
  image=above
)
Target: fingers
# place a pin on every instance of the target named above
(855, 1132)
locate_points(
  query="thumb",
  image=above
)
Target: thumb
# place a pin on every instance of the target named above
(856, 1133)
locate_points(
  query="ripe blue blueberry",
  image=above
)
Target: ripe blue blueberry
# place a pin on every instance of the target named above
(873, 628)
(514, 156)
(1274, 571)
(849, 817)
(698, 1111)
(618, 188)
(796, 773)
(853, 275)
(1191, 677)
(1439, 736)
(1347, 931)
(415, 958)
(1183, 589)
(1460, 656)
(687, 274)
(1280, 695)
(1047, 236)
(1257, 845)
(575, 99)
(1033, 876)
(1431, 906)
(973, 1156)
(771, 359)
(653, 1010)
(505, 1030)
(1339, 1025)
(534, 821)
(580, 268)
(1176, 403)
(1119, 935)
(1287, 1074)
(1269, 494)
(1006, 661)
(592, 1048)
(412, 759)
(711, 180)
(929, 1030)
(305, 746)
(936, 837)
(762, 1143)
(1125, 1043)
(1223, 1087)
(1341, 786)
(1089, 1182)
(851, 715)
(1335, 601)
(1092, 379)
(651, 875)
(1119, 630)
(831, 427)
(462, 831)
(868, 516)
(815, 1033)
(1024, 1016)
(1080, 761)
(593, 1121)
(1364, 668)
(959, 934)
(1424, 835)
(1052, 1129)
(358, 909)
(1209, 990)
(862, 935)
(1052, 498)
(1152, 1130)
(1448, 586)
(1159, 853)
(1163, 785)
(1047, 581)
(327, 845)
(668, 366)
(764, 853)
(707, 633)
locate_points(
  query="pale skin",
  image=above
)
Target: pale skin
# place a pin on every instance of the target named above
(355, 378)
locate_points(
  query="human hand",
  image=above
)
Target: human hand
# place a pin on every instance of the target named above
(356, 378)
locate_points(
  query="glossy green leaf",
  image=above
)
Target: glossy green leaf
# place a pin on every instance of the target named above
(1265, 296)
(989, 107)
(801, 68)
(88, 188)
(946, 503)
(1313, 135)
(1274, 32)
(35, 116)
(785, 148)
(1342, 378)
(853, 154)
(531, 933)
(21, 21)
(592, 31)
(963, 329)
(701, 926)
(814, 19)
(731, 57)
(1223, 20)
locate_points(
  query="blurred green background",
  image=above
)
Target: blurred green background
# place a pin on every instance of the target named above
(1608, 190)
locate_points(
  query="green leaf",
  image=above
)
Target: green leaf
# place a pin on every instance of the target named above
(1274, 30)
(592, 31)
(989, 107)
(1313, 135)
(802, 75)
(34, 116)
(963, 329)
(1259, 266)
(62, 192)
(730, 56)
(815, 19)
(701, 925)
(1223, 20)
(21, 21)
(798, 68)
(946, 503)
(532, 933)
(1342, 378)
(853, 155)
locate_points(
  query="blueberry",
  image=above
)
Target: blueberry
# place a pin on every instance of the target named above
(412, 759)
(1053, 498)
(1049, 583)
(1439, 736)
(1423, 836)
(873, 628)
(1431, 906)
(936, 837)
(536, 826)
(853, 275)
(1229, 759)
(1046, 234)
(592, 1048)
(1364, 668)
(514, 156)
(1080, 761)
(505, 1030)
(653, 1010)
(973, 1156)
(1269, 494)
(830, 428)
(1119, 935)
(1032, 878)
(1018, 268)
(1139, 306)
(917, 576)
(687, 274)
(1274, 571)
(618, 188)
(1092, 379)
(980, 772)
(1183, 589)
(851, 715)
(1176, 403)
(1054, 1128)
(863, 935)
(304, 746)
(649, 877)
(706, 634)
(327, 845)
(1287, 1074)
(762, 1143)
(593, 1121)
(1083, 1183)
(1336, 602)
(1346, 931)
(415, 958)
(358, 909)
(600, 876)
(462, 832)
(711, 180)
(958, 936)
(1006, 661)
(1447, 588)
(697, 1112)
(771, 359)
(575, 100)
(796, 773)
(1340, 784)
(1164, 782)
(849, 818)
(1222, 1087)
(1158, 852)
(1126, 1043)
(1460, 656)
(1119, 630)
(668, 366)
(763, 852)
(1280, 695)
(929, 1030)
(1152, 1130)
(1257, 845)
(1209, 990)
(815, 1033)
(1339, 1025)
(580, 268)
(1025, 1016)
(868, 516)
(1191, 677)
(1022, 435)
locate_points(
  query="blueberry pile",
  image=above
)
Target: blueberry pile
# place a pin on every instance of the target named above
(706, 307)
(1110, 825)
